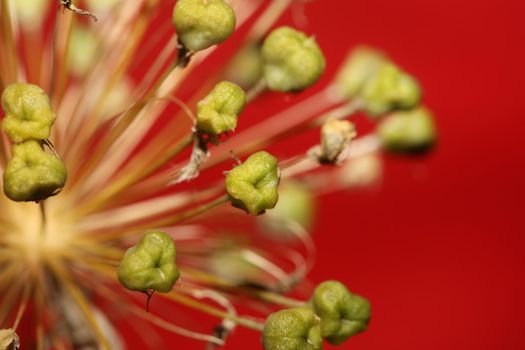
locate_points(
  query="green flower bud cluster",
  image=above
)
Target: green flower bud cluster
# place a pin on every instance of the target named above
(32, 174)
(379, 84)
(292, 60)
(408, 131)
(217, 113)
(150, 265)
(333, 314)
(203, 23)
(252, 186)
(292, 329)
(335, 136)
(358, 67)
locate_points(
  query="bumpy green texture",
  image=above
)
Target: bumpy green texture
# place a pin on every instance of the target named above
(292, 329)
(252, 186)
(203, 23)
(408, 131)
(342, 313)
(390, 89)
(292, 60)
(28, 114)
(32, 174)
(218, 112)
(335, 136)
(246, 67)
(150, 265)
(357, 69)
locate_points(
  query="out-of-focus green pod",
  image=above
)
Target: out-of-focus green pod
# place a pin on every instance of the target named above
(408, 131)
(390, 89)
(246, 67)
(360, 65)
(292, 60)
(296, 205)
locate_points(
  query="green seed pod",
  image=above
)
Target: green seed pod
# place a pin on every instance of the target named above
(357, 69)
(150, 265)
(246, 67)
(292, 329)
(203, 23)
(408, 131)
(252, 186)
(390, 89)
(292, 60)
(32, 174)
(218, 112)
(335, 136)
(296, 204)
(342, 313)
(28, 114)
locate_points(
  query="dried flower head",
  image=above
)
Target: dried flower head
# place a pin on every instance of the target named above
(102, 94)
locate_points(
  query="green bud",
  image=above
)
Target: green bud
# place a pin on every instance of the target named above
(32, 174)
(246, 67)
(335, 136)
(408, 131)
(150, 265)
(293, 61)
(218, 112)
(28, 114)
(203, 23)
(357, 69)
(342, 313)
(296, 204)
(292, 329)
(252, 186)
(390, 89)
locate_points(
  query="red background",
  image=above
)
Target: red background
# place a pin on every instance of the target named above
(438, 249)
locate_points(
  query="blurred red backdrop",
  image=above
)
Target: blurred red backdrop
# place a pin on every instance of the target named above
(438, 249)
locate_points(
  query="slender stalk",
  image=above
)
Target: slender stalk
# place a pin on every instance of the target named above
(189, 213)
(11, 56)
(131, 176)
(228, 286)
(200, 306)
(256, 90)
(23, 306)
(42, 206)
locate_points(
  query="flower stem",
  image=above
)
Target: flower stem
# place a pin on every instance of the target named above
(197, 305)
(42, 206)
(216, 281)
(192, 212)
